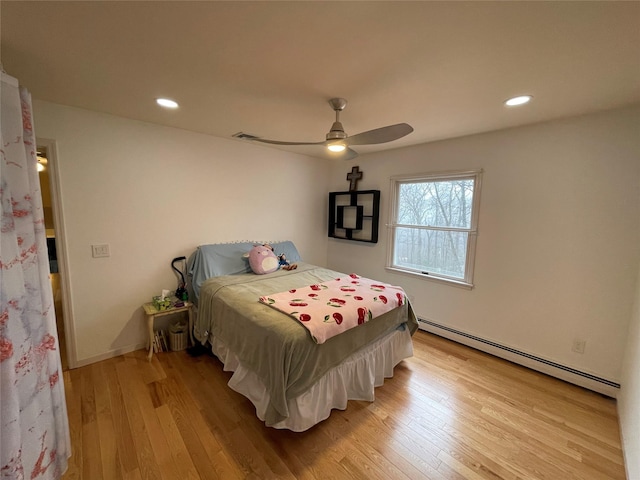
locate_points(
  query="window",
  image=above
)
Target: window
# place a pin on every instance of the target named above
(433, 225)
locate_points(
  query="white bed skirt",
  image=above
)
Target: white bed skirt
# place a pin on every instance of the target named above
(353, 379)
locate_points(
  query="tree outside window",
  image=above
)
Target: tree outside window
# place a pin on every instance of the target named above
(434, 225)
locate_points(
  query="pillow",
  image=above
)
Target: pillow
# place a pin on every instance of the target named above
(263, 260)
(225, 258)
(215, 260)
(218, 259)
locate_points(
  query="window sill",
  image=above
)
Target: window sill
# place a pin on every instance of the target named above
(422, 276)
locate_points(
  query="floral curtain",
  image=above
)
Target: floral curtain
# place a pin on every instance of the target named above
(34, 430)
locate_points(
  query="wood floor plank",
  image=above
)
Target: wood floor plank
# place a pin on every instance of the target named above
(185, 396)
(311, 454)
(255, 432)
(185, 419)
(110, 459)
(177, 447)
(369, 460)
(91, 448)
(148, 466)
(611, 467)
(122, 429)
(87, 395)
(151, 371)
(449, 413)
(133, 475)
(159, 444)
(388, 456)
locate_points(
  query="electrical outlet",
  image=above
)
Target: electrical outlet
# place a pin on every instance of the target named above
(579, 345)
(98, 251)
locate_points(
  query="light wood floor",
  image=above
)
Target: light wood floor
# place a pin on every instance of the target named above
(450, 412)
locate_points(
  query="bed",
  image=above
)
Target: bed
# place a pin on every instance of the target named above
(292, 381)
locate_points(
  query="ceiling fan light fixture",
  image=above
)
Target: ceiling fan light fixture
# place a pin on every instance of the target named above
(337, 147)
(167, 103)
(337, 141)
(520, 100)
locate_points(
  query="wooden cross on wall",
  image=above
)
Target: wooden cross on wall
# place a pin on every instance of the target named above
(353, 178)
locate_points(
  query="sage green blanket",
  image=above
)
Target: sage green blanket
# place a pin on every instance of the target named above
(274, 345)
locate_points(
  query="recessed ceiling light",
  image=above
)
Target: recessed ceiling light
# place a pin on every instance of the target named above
(337, 147)
(167, 103)
(521, 100)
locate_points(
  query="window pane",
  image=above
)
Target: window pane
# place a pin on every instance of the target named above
(433, 251)
(446, 203)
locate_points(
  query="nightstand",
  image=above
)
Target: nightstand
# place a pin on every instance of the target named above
(152, 313)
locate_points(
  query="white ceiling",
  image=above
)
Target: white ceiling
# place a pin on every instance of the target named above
(268, 68)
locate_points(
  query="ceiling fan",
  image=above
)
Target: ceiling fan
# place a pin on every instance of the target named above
(337, 140)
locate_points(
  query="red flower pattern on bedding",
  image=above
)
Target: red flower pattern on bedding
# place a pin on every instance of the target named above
(358, 299)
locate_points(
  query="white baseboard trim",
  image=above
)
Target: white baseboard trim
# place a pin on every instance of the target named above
(587, 380)
(110, 354)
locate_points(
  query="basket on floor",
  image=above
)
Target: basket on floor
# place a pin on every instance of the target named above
(178, 337)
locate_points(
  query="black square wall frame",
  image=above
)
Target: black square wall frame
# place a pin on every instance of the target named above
(354, 215)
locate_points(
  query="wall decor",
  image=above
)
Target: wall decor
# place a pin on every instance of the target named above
(354, 215)
(353, 178)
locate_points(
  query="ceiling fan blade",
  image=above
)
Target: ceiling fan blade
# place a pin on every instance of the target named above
(380, 135)
(346, 154)
(278, 142)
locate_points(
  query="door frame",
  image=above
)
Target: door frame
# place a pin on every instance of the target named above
(61, 248)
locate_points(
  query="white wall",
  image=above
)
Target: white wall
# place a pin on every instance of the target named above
(154, 193)
(559, 236)
(629, 398)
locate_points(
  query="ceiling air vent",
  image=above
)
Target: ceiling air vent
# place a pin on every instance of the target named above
(244, 136)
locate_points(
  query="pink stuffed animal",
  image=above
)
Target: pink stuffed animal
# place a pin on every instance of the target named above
(263, 260)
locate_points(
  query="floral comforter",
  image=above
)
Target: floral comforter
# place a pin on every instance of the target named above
(330, 308)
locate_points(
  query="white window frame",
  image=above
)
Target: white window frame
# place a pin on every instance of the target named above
(396, 181)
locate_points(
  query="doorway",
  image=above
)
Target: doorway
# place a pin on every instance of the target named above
(44, 153)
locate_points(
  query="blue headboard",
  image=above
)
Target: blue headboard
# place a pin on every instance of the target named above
(218, 259)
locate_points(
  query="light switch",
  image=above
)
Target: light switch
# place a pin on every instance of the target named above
(101, 250)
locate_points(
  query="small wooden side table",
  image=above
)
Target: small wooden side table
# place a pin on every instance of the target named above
(152, 313)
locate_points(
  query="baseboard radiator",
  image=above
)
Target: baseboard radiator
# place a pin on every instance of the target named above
(563, 372)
